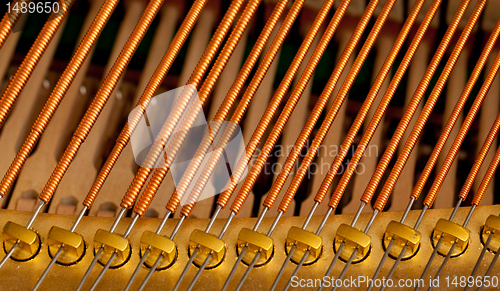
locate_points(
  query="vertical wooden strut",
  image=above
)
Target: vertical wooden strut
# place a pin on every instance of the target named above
(29, 63)
(422, 119)
(8, 22)
(100, 99)
(159, 174)
(358, 122)
(153, 84)
(57, 94)
(159, 144)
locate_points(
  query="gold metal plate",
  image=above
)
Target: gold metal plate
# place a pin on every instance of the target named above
(72, 244)
(207, 244)
(451, 233)
(304, 240)
(112, 242)
(29, 242)
(158, 245)
(492, 226)
(255, 242)
(403, 235)
(353, 239)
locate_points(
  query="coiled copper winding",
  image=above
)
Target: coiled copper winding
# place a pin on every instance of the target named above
(479, 161)
(458, 108)
(206, 89)
(101, 98)
(412, 106)
(429, 105)
(487, 178)
(443, 171)
(57, 94)
(243, 104)
(384, 103)
(8, 22)
(309, 126)
(271, 197)
(185, 98)
(153, 84)
(271, 109)
(31, 60)
(240, 110)
(339, 99)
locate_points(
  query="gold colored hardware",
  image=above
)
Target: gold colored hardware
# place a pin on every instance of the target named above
(451, 233)
(207, 244)
(402, 235)
(492, 226)
(29, 242)
(303, 240)
(158, 245)
(353, 239)
(72, 244)
(112, 242)
(255, 242)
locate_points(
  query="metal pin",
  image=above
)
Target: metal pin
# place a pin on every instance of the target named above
(113, 256)
(207, 259)
(285, 263)
(89, 269)
(28, 225)
(440, 241)
(160, 257)
(296, 271)
(103, 271)
(292, 249)
(400, 257)
(349, 262)
(335, 259)
(59, 251)
(389, 247)
(244, 249)
(393, 269)
(481, 256)
(249, 269)
(355, 252)
(198, 274)
(490, 268)
(381, 263)
(146, 253)
(448, 256)
(186, 268)
(235, 266)
(150, 273)
(101, 249)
